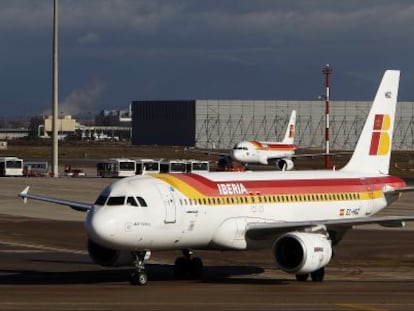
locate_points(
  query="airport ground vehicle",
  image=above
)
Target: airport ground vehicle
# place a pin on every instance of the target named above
(35, 168)
(145, 166)
(173, 166)
(11, 166)
(116, 168)
(196, 166)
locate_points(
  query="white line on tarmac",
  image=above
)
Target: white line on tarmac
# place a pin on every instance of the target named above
(44, 248)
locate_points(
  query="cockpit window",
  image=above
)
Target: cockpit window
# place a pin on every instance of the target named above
(101, 200)
(116, 201)
(131, 201)
(142, 201)
(237, 147)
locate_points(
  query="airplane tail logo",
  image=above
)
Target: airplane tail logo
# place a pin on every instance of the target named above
(290, 130)
(380, 140)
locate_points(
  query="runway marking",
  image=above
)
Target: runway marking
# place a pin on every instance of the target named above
(20, 251)
(360, 307)
(44, 248)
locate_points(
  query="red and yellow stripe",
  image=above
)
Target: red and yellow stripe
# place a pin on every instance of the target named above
(198, 187)
(273, 147)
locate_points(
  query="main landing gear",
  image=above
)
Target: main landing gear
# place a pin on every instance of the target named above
(188, 266)
(316, 276)
(139, 277)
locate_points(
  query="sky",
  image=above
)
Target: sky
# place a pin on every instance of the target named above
(112, 52)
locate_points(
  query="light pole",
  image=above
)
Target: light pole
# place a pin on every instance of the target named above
(55, 96)
(327, 71)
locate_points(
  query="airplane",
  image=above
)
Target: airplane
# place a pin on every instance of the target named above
(267, 152)
(300, 215)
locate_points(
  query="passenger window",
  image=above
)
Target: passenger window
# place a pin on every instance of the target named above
(116, 201)
(131, 201)
(142, 201)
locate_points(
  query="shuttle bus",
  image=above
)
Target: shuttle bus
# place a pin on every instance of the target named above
(145, 166)
(116, 168)
(196, 166)
(35, 168)
(11, 166)
(173, 166)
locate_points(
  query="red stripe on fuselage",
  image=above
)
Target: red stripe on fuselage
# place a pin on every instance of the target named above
(296, 186)
(265, 146)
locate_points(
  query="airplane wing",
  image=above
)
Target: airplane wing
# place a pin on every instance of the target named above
(261, 230)
(78, 206)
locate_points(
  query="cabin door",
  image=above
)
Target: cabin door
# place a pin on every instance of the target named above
(166, 193)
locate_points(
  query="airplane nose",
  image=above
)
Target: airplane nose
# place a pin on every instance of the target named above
(101, 226)
(235, 154)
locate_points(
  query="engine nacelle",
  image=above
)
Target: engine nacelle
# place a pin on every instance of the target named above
(301, 252)
(285, 164)
(108, 257)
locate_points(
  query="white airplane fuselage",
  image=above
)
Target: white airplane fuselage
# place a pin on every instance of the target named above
(262, 152)
(213, 210)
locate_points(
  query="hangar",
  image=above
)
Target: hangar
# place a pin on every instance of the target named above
(222, 123)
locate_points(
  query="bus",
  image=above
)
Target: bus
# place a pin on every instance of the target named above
(196, 166)
(145, 166)
(116, 168)
(11, 166)
(173, 166)
(35, 168)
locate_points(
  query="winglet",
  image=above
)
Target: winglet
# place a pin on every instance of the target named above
(24, 193)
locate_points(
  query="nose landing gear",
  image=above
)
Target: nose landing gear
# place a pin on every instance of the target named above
(139, 277)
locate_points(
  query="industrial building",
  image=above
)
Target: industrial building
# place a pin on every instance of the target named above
(113, 124)
(223, 123)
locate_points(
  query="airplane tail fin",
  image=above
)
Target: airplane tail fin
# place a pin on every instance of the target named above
(373, 150)
(290, 131)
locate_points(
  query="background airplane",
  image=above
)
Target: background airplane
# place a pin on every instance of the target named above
(300, 215)
(267, 152)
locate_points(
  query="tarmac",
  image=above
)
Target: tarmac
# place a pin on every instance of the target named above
(44, 265)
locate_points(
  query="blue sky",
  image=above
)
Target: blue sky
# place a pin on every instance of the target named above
(116, 51)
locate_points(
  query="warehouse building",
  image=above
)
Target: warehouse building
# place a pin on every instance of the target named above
(223, 123)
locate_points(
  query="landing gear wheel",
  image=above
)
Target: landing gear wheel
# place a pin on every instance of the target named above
(181, 267)
(302, 277)
(196, 268)
(318, 275)
(188, 267)
(138, 278)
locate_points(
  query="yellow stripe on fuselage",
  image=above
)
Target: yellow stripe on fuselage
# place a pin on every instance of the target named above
(180, 185)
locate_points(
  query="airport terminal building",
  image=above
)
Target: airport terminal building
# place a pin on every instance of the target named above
(222, 123)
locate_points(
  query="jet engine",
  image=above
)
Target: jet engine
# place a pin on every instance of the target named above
(285, 164)
(301, 252)
(108, 257)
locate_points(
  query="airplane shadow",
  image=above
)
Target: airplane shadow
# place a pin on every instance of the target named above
(156, 272)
